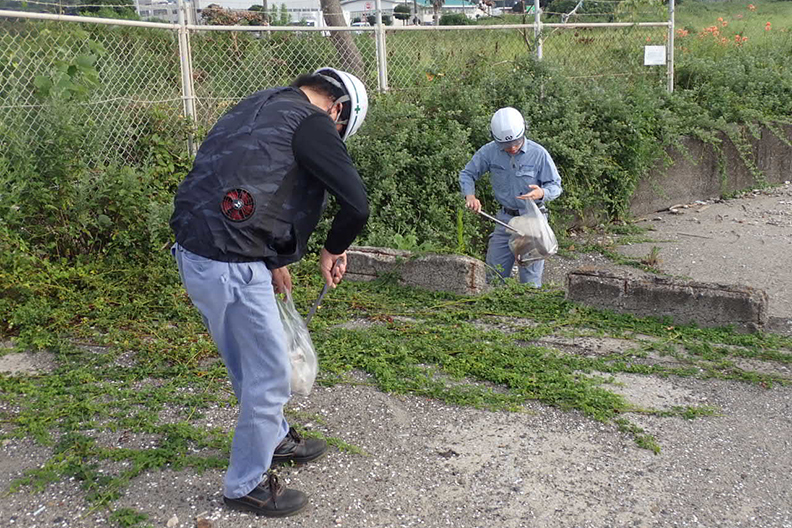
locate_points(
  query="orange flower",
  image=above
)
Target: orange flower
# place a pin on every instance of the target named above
(724, 23)
(751, 7)
(744, 39)
(767, 26)
(720, 19)
(739, 16)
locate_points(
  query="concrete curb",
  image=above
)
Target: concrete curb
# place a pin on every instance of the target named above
(451, 273)
(705, 304)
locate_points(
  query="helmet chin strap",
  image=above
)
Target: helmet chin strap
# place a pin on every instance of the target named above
(341, 100)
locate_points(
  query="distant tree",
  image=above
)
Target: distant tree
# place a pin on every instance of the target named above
(261, 11)
(283, 17)
(278, 16)
(214, 15)
(518, 7)
(348, 52)
(371, 19)
(455, 19)
(402, 12)
(123, 9)
(387, 20)
(436, 6)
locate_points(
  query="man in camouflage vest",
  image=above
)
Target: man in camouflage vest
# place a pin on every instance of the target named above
(244, 212)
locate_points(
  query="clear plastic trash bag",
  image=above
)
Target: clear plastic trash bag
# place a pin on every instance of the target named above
(536, 241)
(302, 355)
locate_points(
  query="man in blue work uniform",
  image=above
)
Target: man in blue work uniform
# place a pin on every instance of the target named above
(244, 212)
(519, 170)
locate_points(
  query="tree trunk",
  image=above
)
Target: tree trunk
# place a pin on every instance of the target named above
(348, 52)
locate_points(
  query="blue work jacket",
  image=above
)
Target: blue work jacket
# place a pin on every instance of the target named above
(511, 176)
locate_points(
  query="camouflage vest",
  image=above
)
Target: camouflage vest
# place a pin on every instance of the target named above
(245, 198)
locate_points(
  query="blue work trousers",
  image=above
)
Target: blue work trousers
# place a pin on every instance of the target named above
(500, 259)
(237, 302)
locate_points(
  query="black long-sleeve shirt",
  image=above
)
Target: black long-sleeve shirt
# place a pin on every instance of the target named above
(319, 150)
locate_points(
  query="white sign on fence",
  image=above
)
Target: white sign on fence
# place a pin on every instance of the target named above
(654, 55)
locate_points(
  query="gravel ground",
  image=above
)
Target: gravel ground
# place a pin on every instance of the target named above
(429, 464)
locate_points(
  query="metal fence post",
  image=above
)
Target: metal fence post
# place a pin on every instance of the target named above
(186, 73)
(538, 28)
(670, 51)
(382, 61)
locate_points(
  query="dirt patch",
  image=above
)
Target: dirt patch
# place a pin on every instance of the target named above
(26, 363)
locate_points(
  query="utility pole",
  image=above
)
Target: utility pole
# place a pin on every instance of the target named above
(382, 69)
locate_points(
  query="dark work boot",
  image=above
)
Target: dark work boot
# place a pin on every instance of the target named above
(270, 498)
(294, 448)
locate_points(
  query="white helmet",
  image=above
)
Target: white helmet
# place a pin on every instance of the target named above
(355, 94)
(507, 125)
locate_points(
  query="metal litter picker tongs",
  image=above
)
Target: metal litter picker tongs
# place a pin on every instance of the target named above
(321, 295)
(504, 224)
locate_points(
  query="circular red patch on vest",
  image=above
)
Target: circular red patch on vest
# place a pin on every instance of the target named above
(238, 205)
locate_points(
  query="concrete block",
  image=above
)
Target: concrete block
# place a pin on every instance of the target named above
(451, 273)
(705, 304)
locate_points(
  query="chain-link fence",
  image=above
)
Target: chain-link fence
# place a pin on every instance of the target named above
(124, 76)
(114, 79)
(229, 65)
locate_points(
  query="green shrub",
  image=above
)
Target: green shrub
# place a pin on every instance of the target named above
(410, 165)
(67, 206)
(455, 19)
(588, 12)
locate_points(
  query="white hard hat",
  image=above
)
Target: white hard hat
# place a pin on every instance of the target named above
(507, 125)
(356, 96)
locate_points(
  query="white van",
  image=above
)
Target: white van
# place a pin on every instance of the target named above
(360, 24)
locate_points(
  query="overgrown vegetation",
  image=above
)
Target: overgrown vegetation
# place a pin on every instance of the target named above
(133, 361)
(85, 271)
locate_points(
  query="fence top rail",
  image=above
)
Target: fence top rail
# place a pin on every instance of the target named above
(370, 29)
(526, 26)
(86, 20)
(606, 24)
(197, 27)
